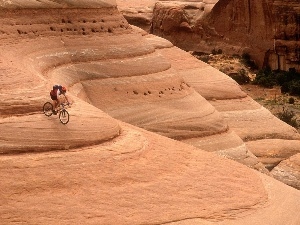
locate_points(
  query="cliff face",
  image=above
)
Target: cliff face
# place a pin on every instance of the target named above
(286, 19)
(244, 23)
(267, 30)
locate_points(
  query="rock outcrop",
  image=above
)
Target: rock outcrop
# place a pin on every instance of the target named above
(98, 169)
(267, 30)
(288, 171)
(198, 25)
(138, 13)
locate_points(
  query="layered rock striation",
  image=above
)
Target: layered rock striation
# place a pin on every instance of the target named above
(200, 25)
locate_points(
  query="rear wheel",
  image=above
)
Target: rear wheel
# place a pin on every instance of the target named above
(64, 116)
(48, 109)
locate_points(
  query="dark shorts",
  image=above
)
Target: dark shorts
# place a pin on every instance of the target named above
(53, 95)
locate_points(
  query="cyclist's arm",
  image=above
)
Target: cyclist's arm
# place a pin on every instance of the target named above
(66, 98)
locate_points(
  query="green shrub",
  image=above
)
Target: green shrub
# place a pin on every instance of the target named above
(201, 56)
(288, 117)
(246, 59)
(288, 80)
(294, 87)
(204, 58)
(265, 78)
(236, 56)
(285, 88)
(291, 100)
(214, 51)
(243, 77)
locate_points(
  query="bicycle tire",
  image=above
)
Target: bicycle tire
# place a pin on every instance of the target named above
(48, 109)
(64, 116)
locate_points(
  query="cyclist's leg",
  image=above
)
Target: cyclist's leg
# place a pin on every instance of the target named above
(54, 106)
(54, 99)
(58, 102)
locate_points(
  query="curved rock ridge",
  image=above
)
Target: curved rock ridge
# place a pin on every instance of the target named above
(153, 97)
(228, 145)
(271, 151)
(288, 171)
(93, 55)
(102, 60)
(35, 133)
(245, 122)
(20, 4)
(164, 117)
(273, 142)
(48, 27)
(123, 187)
(33, 22)
(249, 120)
(208, 81)
(49, 61)
(125, 55)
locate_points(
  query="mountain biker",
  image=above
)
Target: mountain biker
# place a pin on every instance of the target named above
(55, 93)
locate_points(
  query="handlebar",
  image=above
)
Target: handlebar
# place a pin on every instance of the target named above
(63, 104)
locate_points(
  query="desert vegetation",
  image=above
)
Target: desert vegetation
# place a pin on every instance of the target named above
(278, 91)
(238, 67)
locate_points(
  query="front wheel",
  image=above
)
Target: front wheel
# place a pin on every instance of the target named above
(48, 109)
(64, 116)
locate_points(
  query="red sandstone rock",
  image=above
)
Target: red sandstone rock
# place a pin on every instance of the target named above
(271, 152)
(288, 171)
(268, 30)
(99, 170)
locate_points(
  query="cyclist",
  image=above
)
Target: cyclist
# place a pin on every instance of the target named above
(55, 93)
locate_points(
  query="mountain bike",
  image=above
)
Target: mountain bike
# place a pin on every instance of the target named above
(63, 114)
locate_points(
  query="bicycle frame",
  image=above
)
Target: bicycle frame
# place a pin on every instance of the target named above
(63, 113)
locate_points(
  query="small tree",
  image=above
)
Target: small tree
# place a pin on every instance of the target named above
(242, 77)
(288, 117)
(291, 100)
(214, 52)
(246, 59)
(265, 78)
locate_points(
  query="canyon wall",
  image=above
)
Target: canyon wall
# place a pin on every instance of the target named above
(268, 30)
(286, 17)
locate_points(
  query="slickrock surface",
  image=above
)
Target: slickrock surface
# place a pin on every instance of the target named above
(245, 117)
(157, 97)
(99, 170)
(21, 4)
(155, 180)
(288, 171)
(271, 152)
